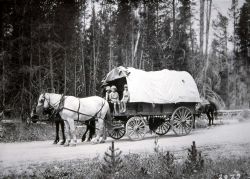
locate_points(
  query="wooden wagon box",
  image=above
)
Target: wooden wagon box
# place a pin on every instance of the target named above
(155, 109)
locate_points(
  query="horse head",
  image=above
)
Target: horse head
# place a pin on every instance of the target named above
(33, 115)
(42, 104)
(199, 108)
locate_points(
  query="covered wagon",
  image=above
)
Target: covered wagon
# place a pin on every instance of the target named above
(159, 100)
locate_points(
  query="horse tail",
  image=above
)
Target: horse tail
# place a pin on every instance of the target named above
(215, 108)
(108, 116)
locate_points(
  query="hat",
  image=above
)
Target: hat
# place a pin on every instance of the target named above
(113, 87)
(107, 88)
(125, 85)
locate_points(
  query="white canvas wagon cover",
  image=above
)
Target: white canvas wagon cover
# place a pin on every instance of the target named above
(159, 87)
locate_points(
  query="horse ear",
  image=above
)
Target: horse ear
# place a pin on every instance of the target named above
(42, 91)
(51, 90)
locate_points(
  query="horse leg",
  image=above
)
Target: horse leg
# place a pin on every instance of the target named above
(57, 132)
(106, 117)
(63, 132)
(209, 119)
(85, 133)
(91, 129)
(72, 132)
(99, 133)
(66, 123)
(194, 122)
(212, 117)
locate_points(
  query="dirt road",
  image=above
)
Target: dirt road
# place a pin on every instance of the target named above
(219, 141)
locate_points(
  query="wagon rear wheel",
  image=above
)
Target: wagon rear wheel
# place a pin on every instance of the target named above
(136, 128)
(116, 129)
(182, 121)
(160, 125)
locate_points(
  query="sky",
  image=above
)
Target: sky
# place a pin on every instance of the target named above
(221, 6)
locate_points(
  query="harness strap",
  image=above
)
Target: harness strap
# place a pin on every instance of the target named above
(78, 110)
(80, 113)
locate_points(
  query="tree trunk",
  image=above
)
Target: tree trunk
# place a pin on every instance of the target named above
(207, 37)
(3, 79)
(65, 72)
(83, 71)
(191, 38)
(132, 43)
(51, 65)
(75, 80)
(22, 100)
(201, 25)
(110, 57)
(30, 75)
(135, 50)
(40, 65)
(173, 4)
(94, 53)
(82, 55)
(209, 5)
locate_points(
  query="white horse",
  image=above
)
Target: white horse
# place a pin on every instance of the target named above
(73, 109)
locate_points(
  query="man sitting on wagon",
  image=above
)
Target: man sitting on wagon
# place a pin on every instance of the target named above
(114, 98)
(125, 99)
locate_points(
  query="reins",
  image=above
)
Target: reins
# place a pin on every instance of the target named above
(53, 107)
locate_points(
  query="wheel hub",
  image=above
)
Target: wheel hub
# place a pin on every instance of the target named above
(136, 128)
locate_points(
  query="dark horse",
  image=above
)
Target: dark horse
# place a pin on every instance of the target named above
(59, 122)
(209, 109)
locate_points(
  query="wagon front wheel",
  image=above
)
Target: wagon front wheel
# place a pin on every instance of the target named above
(136, 128)
(117, 130)
(182, 121)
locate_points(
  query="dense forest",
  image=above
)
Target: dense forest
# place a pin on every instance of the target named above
(69, 45)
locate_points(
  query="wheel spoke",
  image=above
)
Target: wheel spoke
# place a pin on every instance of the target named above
(178, 117)
(186, 114)
(182, 120)
(135, 128)
(189, 117)
(117, 129)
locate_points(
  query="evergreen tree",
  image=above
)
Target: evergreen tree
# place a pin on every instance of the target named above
(220, 53)
(112, 161)
(194, 161)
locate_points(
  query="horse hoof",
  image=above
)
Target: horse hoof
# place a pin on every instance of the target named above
(66, 145)
(101, 142)
(62, 143)
(55, 142)
(72, 145)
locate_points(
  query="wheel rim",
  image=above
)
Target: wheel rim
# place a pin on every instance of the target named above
(117, 130)
(182, 121)
(136, 128)
(163, 128)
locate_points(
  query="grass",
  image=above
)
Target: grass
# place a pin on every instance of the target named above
(160, 164)
(21, 132)
(134, 166)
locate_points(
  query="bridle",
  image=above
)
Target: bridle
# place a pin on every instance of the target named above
(55, 108)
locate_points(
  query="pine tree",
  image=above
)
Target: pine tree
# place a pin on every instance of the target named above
(194, 161)
(220, 54)
(112, 161)
(167, 164)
